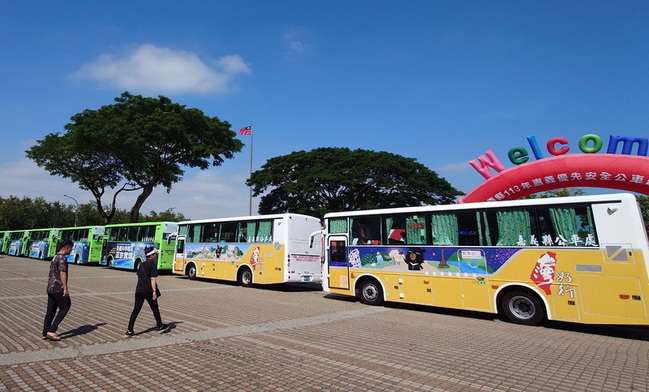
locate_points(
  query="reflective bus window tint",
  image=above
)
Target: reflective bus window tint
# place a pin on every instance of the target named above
(365, 230)
(395, 229)
(228, 232)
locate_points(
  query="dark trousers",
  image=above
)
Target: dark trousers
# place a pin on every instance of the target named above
(139, 301)
(52, 318)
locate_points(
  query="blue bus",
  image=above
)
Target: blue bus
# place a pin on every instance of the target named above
(40, 243)
(88, 243)
(15, 242)
(125, 243)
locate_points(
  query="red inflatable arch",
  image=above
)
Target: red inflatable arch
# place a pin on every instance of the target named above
(623, 172)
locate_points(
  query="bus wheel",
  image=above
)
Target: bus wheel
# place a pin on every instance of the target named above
(523, 308)
(371, 293)
(76, 259)
(109, 262)
(244, 277)
(191, 271)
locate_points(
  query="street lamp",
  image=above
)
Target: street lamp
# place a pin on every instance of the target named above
(76, 211)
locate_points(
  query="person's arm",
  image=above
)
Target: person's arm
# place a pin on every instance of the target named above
(153, 285)
(64, 280)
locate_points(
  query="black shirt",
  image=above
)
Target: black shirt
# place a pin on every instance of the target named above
(147, 270)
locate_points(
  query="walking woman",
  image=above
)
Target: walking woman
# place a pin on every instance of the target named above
(147, 289)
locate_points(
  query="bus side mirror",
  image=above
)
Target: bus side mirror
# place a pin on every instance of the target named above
(312, 237)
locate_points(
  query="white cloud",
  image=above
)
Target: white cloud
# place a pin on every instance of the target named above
(456, 167)
(24, 178)
(203, 194)
(233, 64)
(150, 68)
(296, 42)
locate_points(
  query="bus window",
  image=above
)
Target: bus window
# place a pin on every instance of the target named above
(264, 232)
(366, 230)
(209, 233)
(444, 229)
(243, 232)
(338, 251)
(416, 232)
(193, 233)
(228, 232)
(146, 233)
(456, 228)
(395, 229)
(567, 226)
(510, 227)
(468, 231)
(338, 225)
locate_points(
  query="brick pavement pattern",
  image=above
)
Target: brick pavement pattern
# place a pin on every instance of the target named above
(288, 338)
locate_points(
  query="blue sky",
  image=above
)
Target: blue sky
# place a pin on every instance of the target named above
(439, 81)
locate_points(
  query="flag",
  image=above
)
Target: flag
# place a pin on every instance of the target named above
(246, 130)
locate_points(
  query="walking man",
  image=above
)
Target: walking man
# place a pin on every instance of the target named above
(58, 296)
(147, 289)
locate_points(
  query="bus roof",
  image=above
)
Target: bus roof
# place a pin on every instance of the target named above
(613, 197)
(248, 218)
(79, 227)
(141, 224)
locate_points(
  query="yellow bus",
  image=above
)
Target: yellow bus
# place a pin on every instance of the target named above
(250, 250)
(579, 259)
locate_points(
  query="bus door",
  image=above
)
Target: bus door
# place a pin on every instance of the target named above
(179, 256)
(337, 262)
(474, 287)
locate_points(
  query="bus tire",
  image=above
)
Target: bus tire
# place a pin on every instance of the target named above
(244, 277)
(524, 308)
(109, 262)
(76, 258)
(136, 266)
(191, 271)
(370, 292)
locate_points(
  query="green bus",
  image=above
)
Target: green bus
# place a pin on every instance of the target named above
(40, 243)
(124, 244)
(15, 242)
(88, 243)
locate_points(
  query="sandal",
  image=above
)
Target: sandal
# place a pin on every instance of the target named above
(52, 336)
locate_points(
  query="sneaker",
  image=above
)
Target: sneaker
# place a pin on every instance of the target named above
(128, 334)
(163, 328)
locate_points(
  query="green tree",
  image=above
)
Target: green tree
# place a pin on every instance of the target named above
(26, 213)
(168, 215)
(339, 179)
(134, 145)
(563, 192)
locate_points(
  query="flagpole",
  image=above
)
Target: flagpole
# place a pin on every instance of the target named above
(252, 135)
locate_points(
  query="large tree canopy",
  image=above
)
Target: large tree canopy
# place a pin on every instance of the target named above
(340, 179)
(136, 144)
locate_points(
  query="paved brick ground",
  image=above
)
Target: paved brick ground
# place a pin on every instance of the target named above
(229, 338)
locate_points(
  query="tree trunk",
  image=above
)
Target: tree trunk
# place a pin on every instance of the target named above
(135, 210)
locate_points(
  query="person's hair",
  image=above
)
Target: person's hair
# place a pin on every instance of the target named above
(148, 249)
(65, 243)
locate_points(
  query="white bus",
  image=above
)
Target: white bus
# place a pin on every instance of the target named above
(581, 259)
(265, 249)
